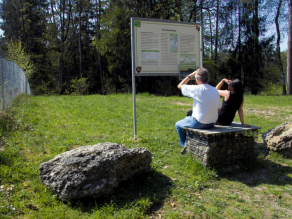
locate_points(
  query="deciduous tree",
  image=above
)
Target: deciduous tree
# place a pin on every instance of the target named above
(289, 59)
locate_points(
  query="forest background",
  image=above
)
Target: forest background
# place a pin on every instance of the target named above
(84, 46)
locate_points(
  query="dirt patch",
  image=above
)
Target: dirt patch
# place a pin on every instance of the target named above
(182, 104)
(282, 109)
(273, 113)
(261, 112)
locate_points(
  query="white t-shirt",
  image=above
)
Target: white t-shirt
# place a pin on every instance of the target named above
(206, 102)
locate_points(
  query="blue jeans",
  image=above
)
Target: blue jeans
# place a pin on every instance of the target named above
(189, 122)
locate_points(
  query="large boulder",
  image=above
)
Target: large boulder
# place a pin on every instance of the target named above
(94, 170)
(279, 139)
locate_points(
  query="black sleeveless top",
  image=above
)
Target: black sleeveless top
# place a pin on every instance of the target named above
(229, 108)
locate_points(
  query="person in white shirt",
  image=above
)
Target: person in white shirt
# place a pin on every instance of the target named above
(206, 103)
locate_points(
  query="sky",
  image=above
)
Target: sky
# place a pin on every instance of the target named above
(284, 44)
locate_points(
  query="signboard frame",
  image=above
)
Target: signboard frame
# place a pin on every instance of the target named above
(170, 25)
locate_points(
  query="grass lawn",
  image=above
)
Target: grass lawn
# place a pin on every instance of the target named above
(176, 187)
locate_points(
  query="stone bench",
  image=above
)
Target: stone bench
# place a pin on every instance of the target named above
(222, 145)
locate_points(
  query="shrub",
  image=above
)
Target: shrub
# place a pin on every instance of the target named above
(273, 89)
(7, 123)
(78, 87)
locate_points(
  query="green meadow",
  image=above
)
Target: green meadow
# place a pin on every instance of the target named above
(37, 128)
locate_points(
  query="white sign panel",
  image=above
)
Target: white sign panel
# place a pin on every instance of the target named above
(165, 47)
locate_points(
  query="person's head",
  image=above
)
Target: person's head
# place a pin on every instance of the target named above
(203, 75)
(235, 85)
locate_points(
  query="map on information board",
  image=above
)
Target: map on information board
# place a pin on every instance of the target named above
(161, 46)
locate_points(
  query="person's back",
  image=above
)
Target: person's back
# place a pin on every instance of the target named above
(228, 110)
(232, 102)
(206, 102)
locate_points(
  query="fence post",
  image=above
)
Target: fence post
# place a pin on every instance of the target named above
(13, 79)
(2, 82)
(25, 83)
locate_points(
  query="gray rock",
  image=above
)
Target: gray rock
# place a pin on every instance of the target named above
(279, 139)
(94, 170)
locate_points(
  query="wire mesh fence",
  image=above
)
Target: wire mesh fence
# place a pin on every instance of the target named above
(13, 82)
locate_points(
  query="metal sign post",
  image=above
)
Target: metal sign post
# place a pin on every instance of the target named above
(133, 77)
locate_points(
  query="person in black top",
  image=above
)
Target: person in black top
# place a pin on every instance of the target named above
(232, 102)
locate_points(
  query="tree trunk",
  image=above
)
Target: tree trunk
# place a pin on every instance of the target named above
(289, 55)
(79, 39)
(23, 27)
(202, 25)
(239, 56)
(256, 33)
(211, 35)
(278, 51)
(216, 37)
(64, 26)
(98, 38)
(60, 73)
(195, 11)
(62, 44)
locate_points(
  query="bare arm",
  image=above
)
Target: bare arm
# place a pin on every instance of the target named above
(186, 80)
(219, 85)
(240, 114)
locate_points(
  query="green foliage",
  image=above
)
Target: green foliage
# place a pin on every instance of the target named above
(114, 46)
(284, 61)
(108, 85)
(7, 122)
(64, 39)
(16, 54)
(273, 89)
(44, 89)
(212, 67)
(78, 87)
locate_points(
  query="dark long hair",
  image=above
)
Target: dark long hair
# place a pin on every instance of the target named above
(237, 85)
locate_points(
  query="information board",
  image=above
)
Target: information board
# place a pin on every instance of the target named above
(185, 71)
(165, 47)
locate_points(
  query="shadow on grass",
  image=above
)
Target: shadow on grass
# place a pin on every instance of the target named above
(153, 186)
(260, 171)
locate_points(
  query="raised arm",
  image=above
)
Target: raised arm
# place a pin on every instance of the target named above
(186, 80)
(219, 85)
(240, 114)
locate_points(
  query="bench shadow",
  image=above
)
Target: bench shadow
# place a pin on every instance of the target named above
(152, 185)
(261, 171)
